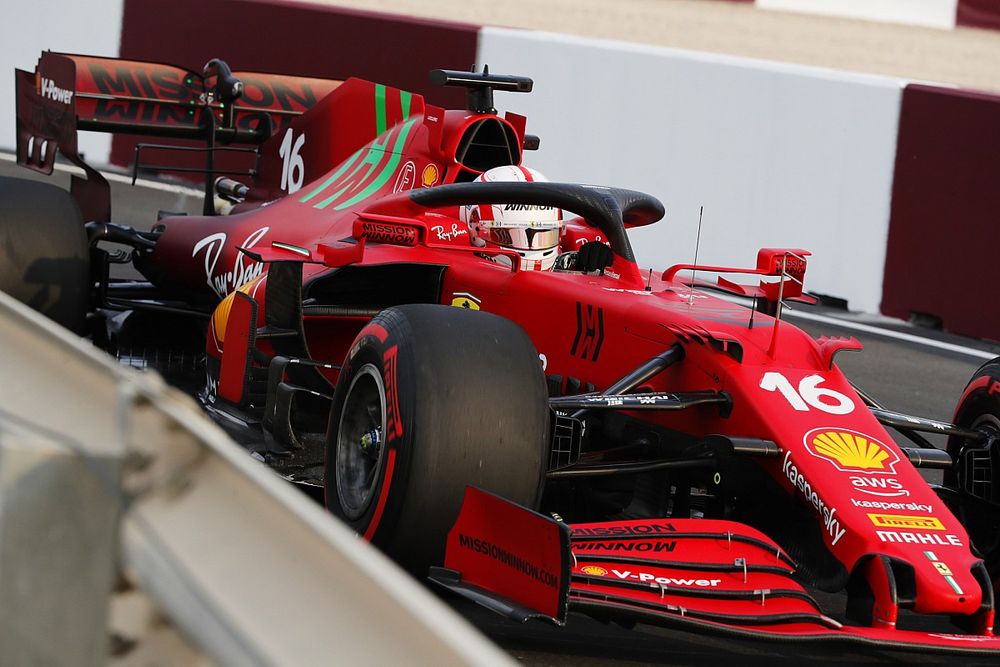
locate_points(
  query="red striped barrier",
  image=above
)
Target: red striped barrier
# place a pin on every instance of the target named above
(944, 232)
(313, 40)
(979, 14)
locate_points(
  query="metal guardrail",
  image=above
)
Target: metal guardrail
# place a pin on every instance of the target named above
(110, 479)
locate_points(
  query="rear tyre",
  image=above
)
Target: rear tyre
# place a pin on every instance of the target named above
(431, 399)
(44, 254)
(979, 409)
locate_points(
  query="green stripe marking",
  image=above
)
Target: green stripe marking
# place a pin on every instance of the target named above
(404, 102)
(380, 109)
(333, 177)
(387, 171)
(376, 151)
(371, 160)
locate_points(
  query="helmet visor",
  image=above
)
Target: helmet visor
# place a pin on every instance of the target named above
(523, 238)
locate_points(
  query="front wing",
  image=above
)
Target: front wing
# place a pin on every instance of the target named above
(707, 575)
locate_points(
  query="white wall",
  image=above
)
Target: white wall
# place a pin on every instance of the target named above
(778, 155)
(929, 13)
(92, 27)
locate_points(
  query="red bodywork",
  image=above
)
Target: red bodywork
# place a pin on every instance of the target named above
(334, 191)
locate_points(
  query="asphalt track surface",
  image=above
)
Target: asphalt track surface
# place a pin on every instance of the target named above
(903, 375)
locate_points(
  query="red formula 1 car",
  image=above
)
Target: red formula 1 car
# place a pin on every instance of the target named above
(618, 442)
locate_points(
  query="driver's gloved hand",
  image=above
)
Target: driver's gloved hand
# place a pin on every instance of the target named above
(593, 256)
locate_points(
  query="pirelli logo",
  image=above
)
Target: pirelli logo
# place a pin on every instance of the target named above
(906, 521)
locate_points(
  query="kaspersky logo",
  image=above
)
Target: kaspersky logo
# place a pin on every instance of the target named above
(850, 451)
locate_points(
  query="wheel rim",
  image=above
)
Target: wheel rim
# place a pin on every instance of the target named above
(360, 447)
(983, 535)
(987, 422)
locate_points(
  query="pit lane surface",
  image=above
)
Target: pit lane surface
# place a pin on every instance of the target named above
(903, 375)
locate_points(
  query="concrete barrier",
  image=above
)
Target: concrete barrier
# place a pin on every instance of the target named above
(779, 155)
(109, 476)
(92, 27)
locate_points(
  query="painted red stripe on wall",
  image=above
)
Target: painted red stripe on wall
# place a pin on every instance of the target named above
(979, 14)
(297, 38)
(943, 232)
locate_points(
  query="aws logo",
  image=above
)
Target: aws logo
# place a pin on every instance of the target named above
(850, 451)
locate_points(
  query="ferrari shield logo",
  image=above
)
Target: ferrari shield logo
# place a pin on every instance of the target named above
(944, 571)
(465, 300)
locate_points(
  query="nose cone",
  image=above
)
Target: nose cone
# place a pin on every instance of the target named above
(944, 587)
(924, 582)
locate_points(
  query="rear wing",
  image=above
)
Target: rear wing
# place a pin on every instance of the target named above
(67, 93)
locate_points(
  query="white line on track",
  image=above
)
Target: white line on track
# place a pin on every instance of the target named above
(890, 333)
(869, 329)
(122, 178)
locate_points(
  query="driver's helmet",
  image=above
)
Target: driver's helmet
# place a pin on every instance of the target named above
(531, 230)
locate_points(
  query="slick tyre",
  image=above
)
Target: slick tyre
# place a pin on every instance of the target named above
(432, 399)
(979, 409)
(44, 255)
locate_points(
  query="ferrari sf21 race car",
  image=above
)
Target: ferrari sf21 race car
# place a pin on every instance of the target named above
(599, 437)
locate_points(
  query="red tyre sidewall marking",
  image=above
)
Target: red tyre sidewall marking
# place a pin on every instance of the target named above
(379, 332)
(376, 330)
(982, 382)
(390, 464)
(393, 432)
(393, 426)
(393, 421)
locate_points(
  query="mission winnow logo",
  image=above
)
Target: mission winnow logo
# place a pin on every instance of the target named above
(501, 555)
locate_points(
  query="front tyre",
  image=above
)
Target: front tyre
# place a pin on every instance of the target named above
(432, 399)
(976, 472)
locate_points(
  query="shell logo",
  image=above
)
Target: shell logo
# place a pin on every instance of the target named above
(593, 569)
(850, 451)
(429, 177)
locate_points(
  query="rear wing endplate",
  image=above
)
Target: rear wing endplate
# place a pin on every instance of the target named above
(67, 93)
